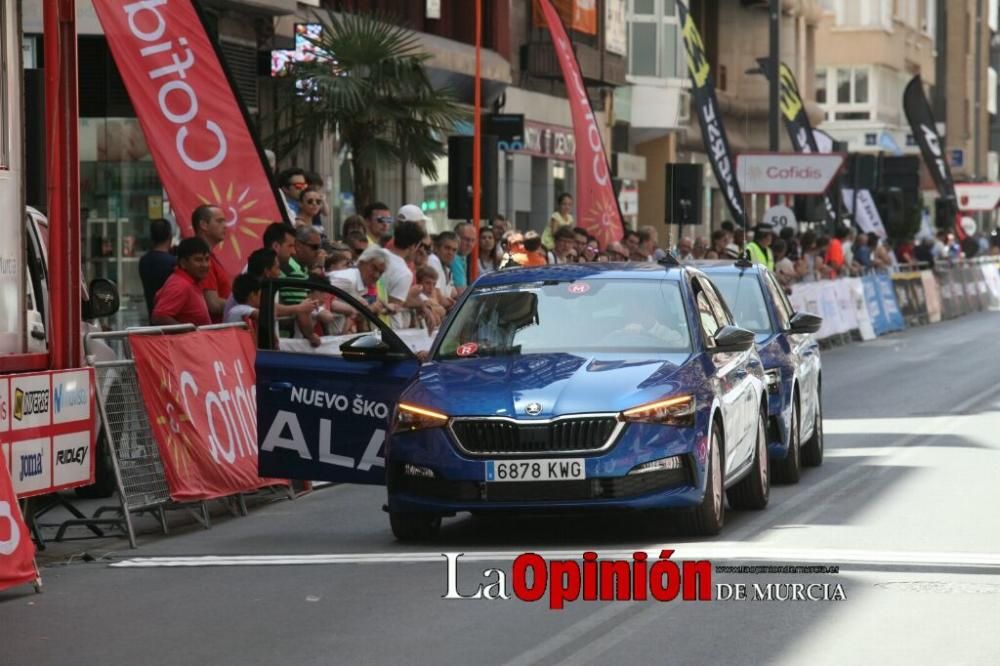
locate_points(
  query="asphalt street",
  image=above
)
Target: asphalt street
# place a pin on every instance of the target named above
(905, 504)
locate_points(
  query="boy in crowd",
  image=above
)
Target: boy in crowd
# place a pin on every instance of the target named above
(246, 293)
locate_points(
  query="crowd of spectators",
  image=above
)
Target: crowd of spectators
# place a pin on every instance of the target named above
(410, 278)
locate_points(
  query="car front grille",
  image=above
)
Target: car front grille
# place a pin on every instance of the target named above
(508, 437)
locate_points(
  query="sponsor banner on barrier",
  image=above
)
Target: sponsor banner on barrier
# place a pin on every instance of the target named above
(932, 296)
(4, 405)
(200, 395)
(30, 401)
(31, 465)
(71, 397)
(17, 552)
(883, 309)
(36, 408)
(857, 291)
(71, 459)
(991, 275)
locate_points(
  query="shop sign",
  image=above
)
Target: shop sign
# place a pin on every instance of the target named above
(551, 141)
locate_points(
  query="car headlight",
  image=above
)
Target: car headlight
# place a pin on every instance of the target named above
(677, 411)
(772, 379)
(411, 417)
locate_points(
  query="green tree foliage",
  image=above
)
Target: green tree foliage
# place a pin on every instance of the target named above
(369, 86)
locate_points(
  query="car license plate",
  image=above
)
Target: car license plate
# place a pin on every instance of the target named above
(564, 469)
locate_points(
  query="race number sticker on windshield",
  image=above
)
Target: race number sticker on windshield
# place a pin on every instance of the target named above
(468, 349)
(579, 288)
(568, 469)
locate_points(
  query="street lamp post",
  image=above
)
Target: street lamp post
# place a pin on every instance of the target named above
(774, 11)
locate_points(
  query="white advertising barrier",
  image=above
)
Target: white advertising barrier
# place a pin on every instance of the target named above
(991, 276)
(808, 297)
(845, 305)
(787, 173)
(417, 339)
(932, 296)
(857, 290)
(839, 302)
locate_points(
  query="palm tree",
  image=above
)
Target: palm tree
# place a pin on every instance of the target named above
(368, 85)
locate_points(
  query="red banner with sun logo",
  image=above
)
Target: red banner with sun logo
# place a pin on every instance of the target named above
(200, 395)
(596, 204)
(195, 125)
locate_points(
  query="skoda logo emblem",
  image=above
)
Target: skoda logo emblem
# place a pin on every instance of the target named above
(533, 409)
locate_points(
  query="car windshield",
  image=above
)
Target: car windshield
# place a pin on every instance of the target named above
(582, 316)
(745, 298)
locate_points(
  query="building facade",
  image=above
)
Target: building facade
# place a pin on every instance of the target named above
(662, 128)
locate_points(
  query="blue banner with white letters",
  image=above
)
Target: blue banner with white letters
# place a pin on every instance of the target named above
(883, 308)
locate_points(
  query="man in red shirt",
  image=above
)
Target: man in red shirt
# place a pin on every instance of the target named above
(181, 300)
(209, 224)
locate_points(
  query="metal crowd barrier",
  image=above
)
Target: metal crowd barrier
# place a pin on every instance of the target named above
(135, 456)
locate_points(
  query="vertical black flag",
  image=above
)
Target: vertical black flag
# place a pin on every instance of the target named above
(797, 123)
(921, 116)
(712, 131)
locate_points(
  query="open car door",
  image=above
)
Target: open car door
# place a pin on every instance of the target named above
(323, 413)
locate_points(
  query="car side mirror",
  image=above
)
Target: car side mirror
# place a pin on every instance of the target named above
(103, 300)
(364, 347)
(804, 322)
(733, 339)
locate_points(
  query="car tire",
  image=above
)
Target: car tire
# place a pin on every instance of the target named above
(812, 452)
(789, 469)
(754, 491)
(708, 517)
(414, 526)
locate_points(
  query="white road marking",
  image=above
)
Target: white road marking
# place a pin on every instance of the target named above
(716, 552)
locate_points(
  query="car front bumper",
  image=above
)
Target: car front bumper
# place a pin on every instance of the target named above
(460, 484)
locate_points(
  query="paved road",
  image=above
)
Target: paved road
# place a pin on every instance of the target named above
(906, 505)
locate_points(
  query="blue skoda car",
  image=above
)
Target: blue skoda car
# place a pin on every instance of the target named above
(791, 361)
(571, 387)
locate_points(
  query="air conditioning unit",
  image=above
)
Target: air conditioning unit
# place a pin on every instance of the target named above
(684, 108)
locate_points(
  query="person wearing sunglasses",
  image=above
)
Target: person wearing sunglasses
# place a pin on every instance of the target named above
(292, 183)
(310, 207)
(378, 219)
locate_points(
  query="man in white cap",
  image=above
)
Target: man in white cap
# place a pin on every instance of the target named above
(413, 213)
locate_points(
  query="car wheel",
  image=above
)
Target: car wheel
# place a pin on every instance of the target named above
(789, 470)
(414, 526)
(812, 452)
(708, 517)
(754, 491)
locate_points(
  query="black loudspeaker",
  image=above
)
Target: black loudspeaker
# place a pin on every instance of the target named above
(861, 172)
(902, 172)
(891, 204)
(684, 194)
(460, 178)
(945, 211)
(809, 209)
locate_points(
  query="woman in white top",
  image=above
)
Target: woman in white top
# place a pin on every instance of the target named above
(487, 251)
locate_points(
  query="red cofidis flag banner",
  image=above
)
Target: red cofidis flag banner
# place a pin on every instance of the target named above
(194, 124)
(596, 205)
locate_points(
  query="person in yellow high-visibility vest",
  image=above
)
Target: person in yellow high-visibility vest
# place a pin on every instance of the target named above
(760, 247)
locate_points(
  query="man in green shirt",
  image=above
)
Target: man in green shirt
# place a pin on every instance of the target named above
(298, 266)
(760, 247)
